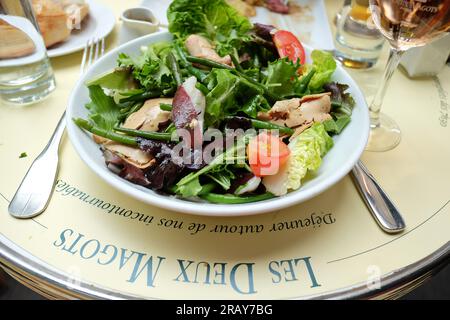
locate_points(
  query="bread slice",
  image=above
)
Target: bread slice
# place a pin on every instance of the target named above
(57, 18)
(52, 20)
(242, 7)
(77, 10)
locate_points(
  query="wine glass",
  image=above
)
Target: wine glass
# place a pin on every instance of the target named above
(405, 24)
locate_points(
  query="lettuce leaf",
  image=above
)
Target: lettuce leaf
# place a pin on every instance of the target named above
(325, 65)
(103, 111)
(256, 104)
(190, 189)
(150, 68)
(342, 106)
(307, 151)
(213, 19)
(118, 79)
(282, 78)
(228, 95)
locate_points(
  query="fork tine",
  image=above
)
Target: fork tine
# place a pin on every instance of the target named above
(97, 49)
(83, 60)
(94, 49)
(103, 47)
(91, 52)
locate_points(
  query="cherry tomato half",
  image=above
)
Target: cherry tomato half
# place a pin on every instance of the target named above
(289, 46)
(266, 154)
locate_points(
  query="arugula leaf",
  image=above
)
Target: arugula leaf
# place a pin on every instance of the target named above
(218, 164)
(254, 105)
(223, 176)
(325, 65)
(213, 19)
(228, 93)
(340, 98)
(190, 189)
(103, 110)
(342, 105)
(282, 78)
(151, 69)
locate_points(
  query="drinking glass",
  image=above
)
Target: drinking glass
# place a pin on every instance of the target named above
(405, 24)
(358, 43)
(25, 72)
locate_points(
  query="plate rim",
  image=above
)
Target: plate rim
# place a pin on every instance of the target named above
(53, 53)
(208, 209)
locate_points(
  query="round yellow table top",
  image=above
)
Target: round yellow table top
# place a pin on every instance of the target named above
(94, 242)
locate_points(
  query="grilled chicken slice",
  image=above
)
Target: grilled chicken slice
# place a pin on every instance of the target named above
(188, 109)
(200, 47)
(316, 107)
(134, 156)
(299, 114)
(124, 169)
(150, 116)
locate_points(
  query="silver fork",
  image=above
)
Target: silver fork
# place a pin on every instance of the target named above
(33, 195)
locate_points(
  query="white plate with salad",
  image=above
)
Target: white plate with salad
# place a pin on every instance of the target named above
(218, 116)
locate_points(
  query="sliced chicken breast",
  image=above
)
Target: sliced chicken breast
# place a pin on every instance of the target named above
(200, 47)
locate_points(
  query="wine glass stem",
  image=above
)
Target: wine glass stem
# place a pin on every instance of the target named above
(392, 64)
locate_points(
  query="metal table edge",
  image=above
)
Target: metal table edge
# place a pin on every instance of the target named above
(17, 260)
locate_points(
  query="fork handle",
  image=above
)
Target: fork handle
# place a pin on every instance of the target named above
(380, 205)
(33, 195)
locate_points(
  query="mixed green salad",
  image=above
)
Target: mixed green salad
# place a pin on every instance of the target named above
(228, 112)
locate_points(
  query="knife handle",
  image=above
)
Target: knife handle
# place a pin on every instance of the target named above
(380, 205)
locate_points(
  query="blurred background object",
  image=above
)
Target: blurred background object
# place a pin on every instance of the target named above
(358, 42)
(25, 72)
(57, 18)
(427, 61)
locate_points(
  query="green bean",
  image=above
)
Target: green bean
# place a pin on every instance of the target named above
(305, 80)
(105, 133)
(146, 134)
(202, 88)
(231, 199)
(259, 124)
(185, 63)
(141, 96)
(136, 107)
(174, 68)
(207, 188)
(131, 110)
(208, 63)
(125, 105)
(250, 80)
(165, 106)
(235, 58)
(171, 128)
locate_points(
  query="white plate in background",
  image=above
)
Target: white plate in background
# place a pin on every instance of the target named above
(98, 24)
(308, 20)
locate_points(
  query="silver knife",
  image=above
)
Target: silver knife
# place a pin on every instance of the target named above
(380, 205)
